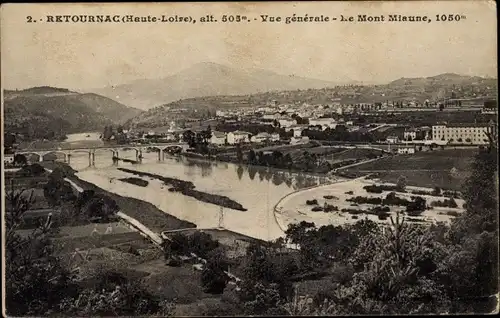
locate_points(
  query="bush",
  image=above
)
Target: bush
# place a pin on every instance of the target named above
(330, 208)
(422, 192)
(312, 202)
(383, 217)
(451, 194)
(392, 199)
(353, 211)
(201, 244)
(452, 213)
(317, 209)
(401, 184)
(414, 212)
(451, 203)
(378, 210)
(365, 200)
(355, 217)
(330, 197)
(136, 181)
(418, 204)
(436, 191)
(213, 278)
(349, 192)
(173, 262)
(33, 170)
(373, 189)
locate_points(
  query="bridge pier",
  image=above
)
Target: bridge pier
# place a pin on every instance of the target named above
(115, 158)
(91, 159)
(138, 155)
(160, 155)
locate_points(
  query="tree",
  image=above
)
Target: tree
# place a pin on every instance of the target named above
(296, 233)
(396, 274)
(189, 137)
(115, 295)
(20, 160)
(57, 191)
(417, 205)
(8, 142)
(288, 161)
(35, 279)
(239, 153)
(252, 158)
(436, 191)
(92, 205)
(240, 171)
(108, 133)
(401, 184)
(206, 134)
(213, 278)
(277, 158)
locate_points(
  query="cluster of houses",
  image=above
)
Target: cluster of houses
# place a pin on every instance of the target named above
(236, 137)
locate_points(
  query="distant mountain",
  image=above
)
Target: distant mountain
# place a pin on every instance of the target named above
(54, 111)
(205, 79)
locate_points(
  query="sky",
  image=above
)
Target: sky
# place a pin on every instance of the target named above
(83, 56)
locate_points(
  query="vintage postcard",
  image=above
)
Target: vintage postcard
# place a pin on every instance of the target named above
(249, 158)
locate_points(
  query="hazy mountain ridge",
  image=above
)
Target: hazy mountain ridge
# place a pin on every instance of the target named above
(205, 79)
(56, 109)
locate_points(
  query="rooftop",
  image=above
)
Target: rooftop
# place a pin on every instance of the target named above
(218, 134)
(465, 125)
(239, 132)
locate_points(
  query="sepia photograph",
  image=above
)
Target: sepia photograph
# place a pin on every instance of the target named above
(309, 158)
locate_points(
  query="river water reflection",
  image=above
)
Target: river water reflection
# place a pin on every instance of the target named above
(258, 189)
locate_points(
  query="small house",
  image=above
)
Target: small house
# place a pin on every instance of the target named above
(236, 137)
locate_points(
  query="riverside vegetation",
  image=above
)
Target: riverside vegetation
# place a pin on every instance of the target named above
(187, 188)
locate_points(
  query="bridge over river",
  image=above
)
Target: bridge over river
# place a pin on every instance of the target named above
(114, 151)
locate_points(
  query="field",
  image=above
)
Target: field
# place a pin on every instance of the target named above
(92, 247)
(320, 152)
(183, 285)
(354, 154)
(446, 168)
(144, 212)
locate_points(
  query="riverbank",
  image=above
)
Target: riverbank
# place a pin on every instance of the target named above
(187, 188)
(145, 212)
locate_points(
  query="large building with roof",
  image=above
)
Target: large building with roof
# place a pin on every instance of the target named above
(474, 134)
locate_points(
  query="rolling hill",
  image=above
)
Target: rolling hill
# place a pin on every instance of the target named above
(446, 79)
(205, 79)
(47, 112)
(420, 89)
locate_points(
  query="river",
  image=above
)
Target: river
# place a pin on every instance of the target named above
(257, 189)
(88, 136)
